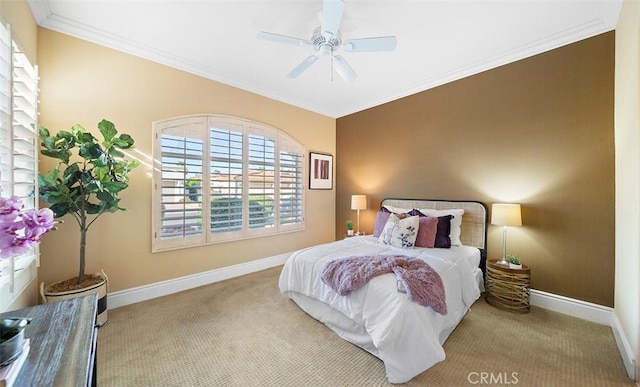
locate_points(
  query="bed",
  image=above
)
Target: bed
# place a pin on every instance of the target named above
(406, 336)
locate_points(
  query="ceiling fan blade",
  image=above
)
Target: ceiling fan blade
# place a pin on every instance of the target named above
(283, 39)
(331, 17)
(343, 68)
(380, 43)
(299, 69)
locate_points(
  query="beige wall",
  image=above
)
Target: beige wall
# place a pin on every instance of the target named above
(23, 27)
(537, 132)
(627, 140)
(82, 83)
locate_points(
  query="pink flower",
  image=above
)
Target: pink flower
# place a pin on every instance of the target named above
(10, 208)
(21, 230)
(37, 223)
(10, 247)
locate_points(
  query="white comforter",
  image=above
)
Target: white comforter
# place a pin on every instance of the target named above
(407, 337)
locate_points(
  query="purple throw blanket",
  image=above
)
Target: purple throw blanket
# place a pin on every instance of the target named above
(414, 277)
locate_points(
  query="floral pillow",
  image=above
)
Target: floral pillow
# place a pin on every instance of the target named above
(396, 210)
(400, 233)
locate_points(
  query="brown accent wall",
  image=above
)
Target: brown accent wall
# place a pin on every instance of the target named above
(82, 82)
(537, 132)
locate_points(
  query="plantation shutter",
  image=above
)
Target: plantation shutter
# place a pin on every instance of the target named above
(5, 112)
(291, 170)
(6, 265)
(25, 118)
(291, 188)
(178, 183)
(18, 154)
(220, 178)
(262, 180)
(227, 179)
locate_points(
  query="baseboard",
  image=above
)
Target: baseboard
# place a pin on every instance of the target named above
(628, 357)
(163, 288)
(594, 313)
(572, 307)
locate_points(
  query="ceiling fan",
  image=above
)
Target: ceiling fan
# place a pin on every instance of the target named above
(327, 38)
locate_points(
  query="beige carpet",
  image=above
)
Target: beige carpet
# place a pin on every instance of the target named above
(242, 332)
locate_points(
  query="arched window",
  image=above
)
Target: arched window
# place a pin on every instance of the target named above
(219, 178)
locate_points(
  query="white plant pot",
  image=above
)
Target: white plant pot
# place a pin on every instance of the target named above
(514, 266)
(350, 232)
(100, 289)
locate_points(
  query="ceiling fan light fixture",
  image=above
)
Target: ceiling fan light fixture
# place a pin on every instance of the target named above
(327, 39)
(325, 49)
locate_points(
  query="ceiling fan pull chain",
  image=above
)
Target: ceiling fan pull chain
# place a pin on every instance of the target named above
(331, 67)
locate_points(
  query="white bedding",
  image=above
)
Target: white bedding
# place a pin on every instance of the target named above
(407, 337)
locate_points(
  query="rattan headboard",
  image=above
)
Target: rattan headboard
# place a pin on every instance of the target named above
(474, 219)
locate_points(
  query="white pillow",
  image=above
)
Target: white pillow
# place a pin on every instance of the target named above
(400, 233)
(456, 222)
(397, 210)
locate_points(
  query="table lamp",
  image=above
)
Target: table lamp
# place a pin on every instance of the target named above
(505, 215)
(358, 202)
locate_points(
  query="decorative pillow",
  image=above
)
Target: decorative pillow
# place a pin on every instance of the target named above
(381, 220)
(442, 234)
(397, 210)
(456, 222)
(427, 231)
(400, 232)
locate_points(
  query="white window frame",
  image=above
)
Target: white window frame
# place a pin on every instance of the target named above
(19, 150)
(198, 129)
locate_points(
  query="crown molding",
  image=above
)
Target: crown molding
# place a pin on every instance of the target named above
(40, 10)
(45, 17)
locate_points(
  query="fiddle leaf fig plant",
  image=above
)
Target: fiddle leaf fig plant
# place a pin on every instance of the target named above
(88, 178)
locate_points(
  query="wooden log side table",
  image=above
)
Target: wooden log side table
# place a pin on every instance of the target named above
(507, 288)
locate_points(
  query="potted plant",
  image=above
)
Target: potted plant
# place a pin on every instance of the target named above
(514, 261)
(85, 187)
(349, 227)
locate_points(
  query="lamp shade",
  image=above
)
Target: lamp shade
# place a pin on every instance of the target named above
(506, 214)
(358, 202)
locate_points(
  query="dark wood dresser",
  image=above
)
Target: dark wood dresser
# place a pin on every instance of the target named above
(64, 340)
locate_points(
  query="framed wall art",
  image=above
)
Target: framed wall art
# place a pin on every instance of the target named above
(320, 171)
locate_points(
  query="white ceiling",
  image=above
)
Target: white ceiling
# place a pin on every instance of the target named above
(438, 41)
